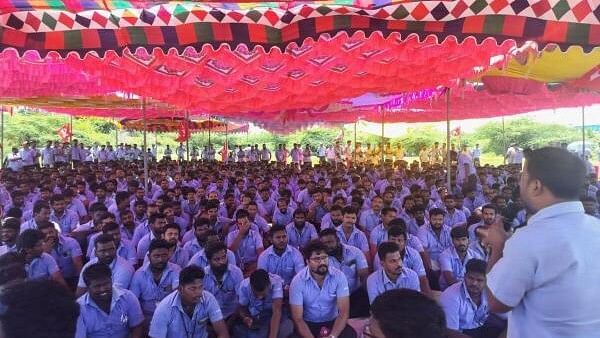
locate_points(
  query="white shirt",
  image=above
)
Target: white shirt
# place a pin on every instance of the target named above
(26, 156)
(14, 162)
(549, 273)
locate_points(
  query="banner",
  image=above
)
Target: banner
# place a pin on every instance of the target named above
(64, 132)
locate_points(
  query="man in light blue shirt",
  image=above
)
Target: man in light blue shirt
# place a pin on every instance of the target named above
(38, 264)
(107, 310)
(261, 304)
(283, 214)
(379, 233)
(187, 311)
(319, 296)
(280, 258)
(124, 248)
(371, 217)
(435, 238)
(245, 242)
(65, 251)
(466, 306)
(453, 217)
(201, 233)
(155, 279)
(454, 259)
(353, 263)
(106, 252)
(392, 275)
(300, 232)
(543, 274)
(66, 219)
(221, 278)
(157, 224)
(349, 234)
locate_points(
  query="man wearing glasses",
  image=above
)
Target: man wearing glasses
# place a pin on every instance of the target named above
(319, 297)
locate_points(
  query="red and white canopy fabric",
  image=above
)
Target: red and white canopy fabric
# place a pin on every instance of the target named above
(171, 125)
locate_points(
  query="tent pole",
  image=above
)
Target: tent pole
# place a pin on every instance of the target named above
(226, 140)
(187, 142)
(209, 128)
(145, 145)
(448, 159)
(583, 131)
(2, 138)
(503, 139)
(71, 127)
(354, 152)
(382, 138)
(116, 131)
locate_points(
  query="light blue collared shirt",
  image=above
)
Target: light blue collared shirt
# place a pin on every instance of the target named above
(285, 266)
(449, 261)
(171, 321)
(411, 259)
(67, 222)
(148, 291)
(283, 219)
(319, 303)
(456, 218)
(125, 249)
(125, 314)
(378, 282)
(298, 239)
(41, 267)
(199, 259)
(224, 292)
(432, 243)
(122, 272)
(179, 257)
(63, 254)
(369, 220)
(542, 270)
(248, 249)
(357, 238)
(461, 312)
(352, 260)
(256, 306)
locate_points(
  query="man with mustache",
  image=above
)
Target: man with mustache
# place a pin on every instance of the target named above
(454, 259)
(156, 278)
(38, 264)
(300, 232)
(107, 310)
(280, 258)
(319, 297)
(333, 218)
(65, 251)
(9, 231)
(393, 274)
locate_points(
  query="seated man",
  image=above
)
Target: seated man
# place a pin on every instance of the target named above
(466, 307)
(300, 232)
(107, 310)
(245, 242)
(187, 311)
(314, 310)
(65, 251)
(38, 264)
(453, 260)
(261, 304)
(280, 258)
(392, 275)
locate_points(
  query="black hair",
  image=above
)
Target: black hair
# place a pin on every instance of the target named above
(39, 206)
(96, 271)
(242, 213)
(276, 228)
(299, 211)
(110, 226)
(386, 248)
(201, 221)
(171, 226)
(190, 274)
(29, 238)
(38, 309)
(490, 206)
(405, 313)
(313, 246)
(103, 239)
(560, 171)
(436, 211)
(156, 216)
(459, 232)
(213, 247)
(97, 207)
(12, 267)
(57, 197)
(349, 210)
(385, 210)
(335, 207)
(398, 222)
(11, 223)
(158, 243)
(121, 196)
(476, 265)
(397, 230)
(328, 232)
(259, 280)
(14, 212)
(212, 204)
(45, 225)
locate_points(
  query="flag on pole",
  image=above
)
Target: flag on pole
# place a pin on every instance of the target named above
(339, 137)
(224, 152)
(64, 132)
(455, 132)
(183, 132)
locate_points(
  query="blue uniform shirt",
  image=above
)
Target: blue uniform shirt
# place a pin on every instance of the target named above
(456, 218)
(283, 219)
(299, 239)
(450, 261)
(125, 250)
(411, 259)
(352, 260)
(285, 266)
(200, 260)
(256, 306)
(63, 254)
(369, 219)
(125, 313)
(150, 293)
(122, 272)
(461, 312)
(434, 244)
(171, 321)
(378, 282)
(225, 291)
(41, 267)
(319, 303)
(248, 249)
(67, 222)
(357, 238)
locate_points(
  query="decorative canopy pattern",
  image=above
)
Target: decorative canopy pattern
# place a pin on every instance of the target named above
(165, 125)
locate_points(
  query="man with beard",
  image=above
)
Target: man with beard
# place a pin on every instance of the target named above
(454, 259)
(199, 259)
(393, 274)
(300, 232)
(41, 213)
(379, 233)
(177, 254)
(200, 233)
(9, 231)
(333, 218)
(124, 248)
(155, 279)
(245, 242)
(127, 225)
(540, 284)
(265, 203)
(187, 311)
(157, 226)
(283, 214)
(453, 218)
(466, 307)
(316, 313)
(222, 278)
(317, 208)
(38, 264)
(372, 216)
(349, 234)
(65, 251)
(261, 302)
(280, 258)
(488, 217)
(66, 219)
(353, 263)
(106, 253)
(435, 238)
(107, 310)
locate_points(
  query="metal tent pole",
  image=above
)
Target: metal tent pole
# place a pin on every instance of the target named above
(382, 138)
(503, 139)
(583, 131)
(187, 141)
(71, 127)
(116, 131)
(2, 138)
(209, 128)
(226, 141)
(145, 145)
(354, 152)
(448, 159)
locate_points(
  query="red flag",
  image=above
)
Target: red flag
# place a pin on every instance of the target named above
(183, 132)
(455, 132)
(339, 137)
(224, 153)
(64, 132)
